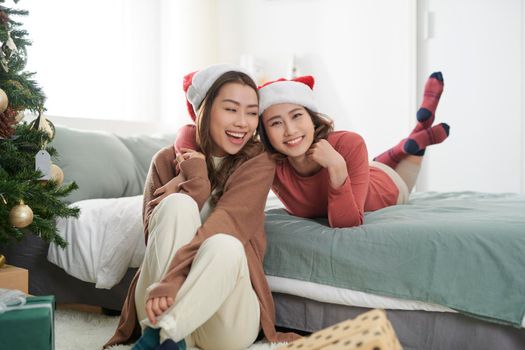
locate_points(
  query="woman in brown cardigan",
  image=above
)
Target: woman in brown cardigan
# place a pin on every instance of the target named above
(202, 281)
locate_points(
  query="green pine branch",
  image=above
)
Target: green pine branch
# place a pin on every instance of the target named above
(23, 92)
(20, 181)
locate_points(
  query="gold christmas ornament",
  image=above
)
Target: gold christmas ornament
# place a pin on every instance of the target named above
(56, 174)
(21, 215)
(3, 101)
(41, 123)
(2, 260)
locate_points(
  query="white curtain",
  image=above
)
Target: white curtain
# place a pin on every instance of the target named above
(111, 59)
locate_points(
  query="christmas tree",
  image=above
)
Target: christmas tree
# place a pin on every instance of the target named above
(30, 185)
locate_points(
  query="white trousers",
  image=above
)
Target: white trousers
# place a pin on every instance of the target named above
(216, 307)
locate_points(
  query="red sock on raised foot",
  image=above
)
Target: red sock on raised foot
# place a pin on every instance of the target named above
(392, 156)
(415, 144)
(431, 94)
(419, 141)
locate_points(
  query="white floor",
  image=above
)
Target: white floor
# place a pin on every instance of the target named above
(87, 331)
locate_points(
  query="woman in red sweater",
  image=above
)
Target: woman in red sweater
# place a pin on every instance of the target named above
(202, 281)
(326, 173)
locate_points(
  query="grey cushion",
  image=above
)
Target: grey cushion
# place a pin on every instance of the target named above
(102, 164)
(143, 148)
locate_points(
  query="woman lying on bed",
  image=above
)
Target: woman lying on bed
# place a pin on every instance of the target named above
(202, 280)
(326, 173)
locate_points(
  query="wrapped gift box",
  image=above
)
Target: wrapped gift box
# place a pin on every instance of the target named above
(28, 326)
(12, 277)
(368, 331)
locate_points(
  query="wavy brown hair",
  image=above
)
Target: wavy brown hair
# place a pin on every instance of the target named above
(323, 126)
(219, 176)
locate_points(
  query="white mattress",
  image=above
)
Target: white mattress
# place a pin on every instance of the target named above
(342, 296)
(104, 241)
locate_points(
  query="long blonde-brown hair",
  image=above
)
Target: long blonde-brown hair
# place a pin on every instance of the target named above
(219, 176)
(323, 126)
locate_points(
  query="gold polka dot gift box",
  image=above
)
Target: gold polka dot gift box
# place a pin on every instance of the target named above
(369, 331)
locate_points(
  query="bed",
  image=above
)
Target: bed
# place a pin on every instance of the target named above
(448, 267)
(458, 284)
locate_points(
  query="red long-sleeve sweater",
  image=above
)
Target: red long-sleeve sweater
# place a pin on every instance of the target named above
(366, 188)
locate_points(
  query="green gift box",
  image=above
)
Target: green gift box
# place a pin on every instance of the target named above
(28, 326)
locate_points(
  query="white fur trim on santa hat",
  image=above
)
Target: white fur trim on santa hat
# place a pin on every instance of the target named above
(286, 92)
(204, 79)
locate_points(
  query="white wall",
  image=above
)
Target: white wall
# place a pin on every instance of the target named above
(523, 99)
(188, 43)
(478, 44)
(361, 53)
(369, 76)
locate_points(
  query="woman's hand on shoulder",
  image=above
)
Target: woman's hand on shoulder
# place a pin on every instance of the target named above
(156, 307)
(187, 153)
(168, 188)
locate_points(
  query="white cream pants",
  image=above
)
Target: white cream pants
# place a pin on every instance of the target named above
(216, 308)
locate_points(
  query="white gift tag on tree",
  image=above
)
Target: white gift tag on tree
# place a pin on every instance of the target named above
(43, 163)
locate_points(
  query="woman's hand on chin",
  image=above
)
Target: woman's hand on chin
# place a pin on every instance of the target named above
(323, 153)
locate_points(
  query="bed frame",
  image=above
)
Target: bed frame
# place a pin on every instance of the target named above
(416, 330)
(46, 278)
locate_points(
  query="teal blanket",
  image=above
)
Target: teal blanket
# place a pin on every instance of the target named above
(464, 250)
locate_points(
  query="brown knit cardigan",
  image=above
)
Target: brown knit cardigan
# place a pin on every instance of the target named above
(239, 212)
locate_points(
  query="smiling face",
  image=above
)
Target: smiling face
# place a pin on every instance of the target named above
(233, 118)
(289, 129)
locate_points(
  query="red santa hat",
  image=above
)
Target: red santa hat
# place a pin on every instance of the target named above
(298, 91)
(197, 84)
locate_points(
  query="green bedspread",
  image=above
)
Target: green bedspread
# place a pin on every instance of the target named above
(464, 250)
